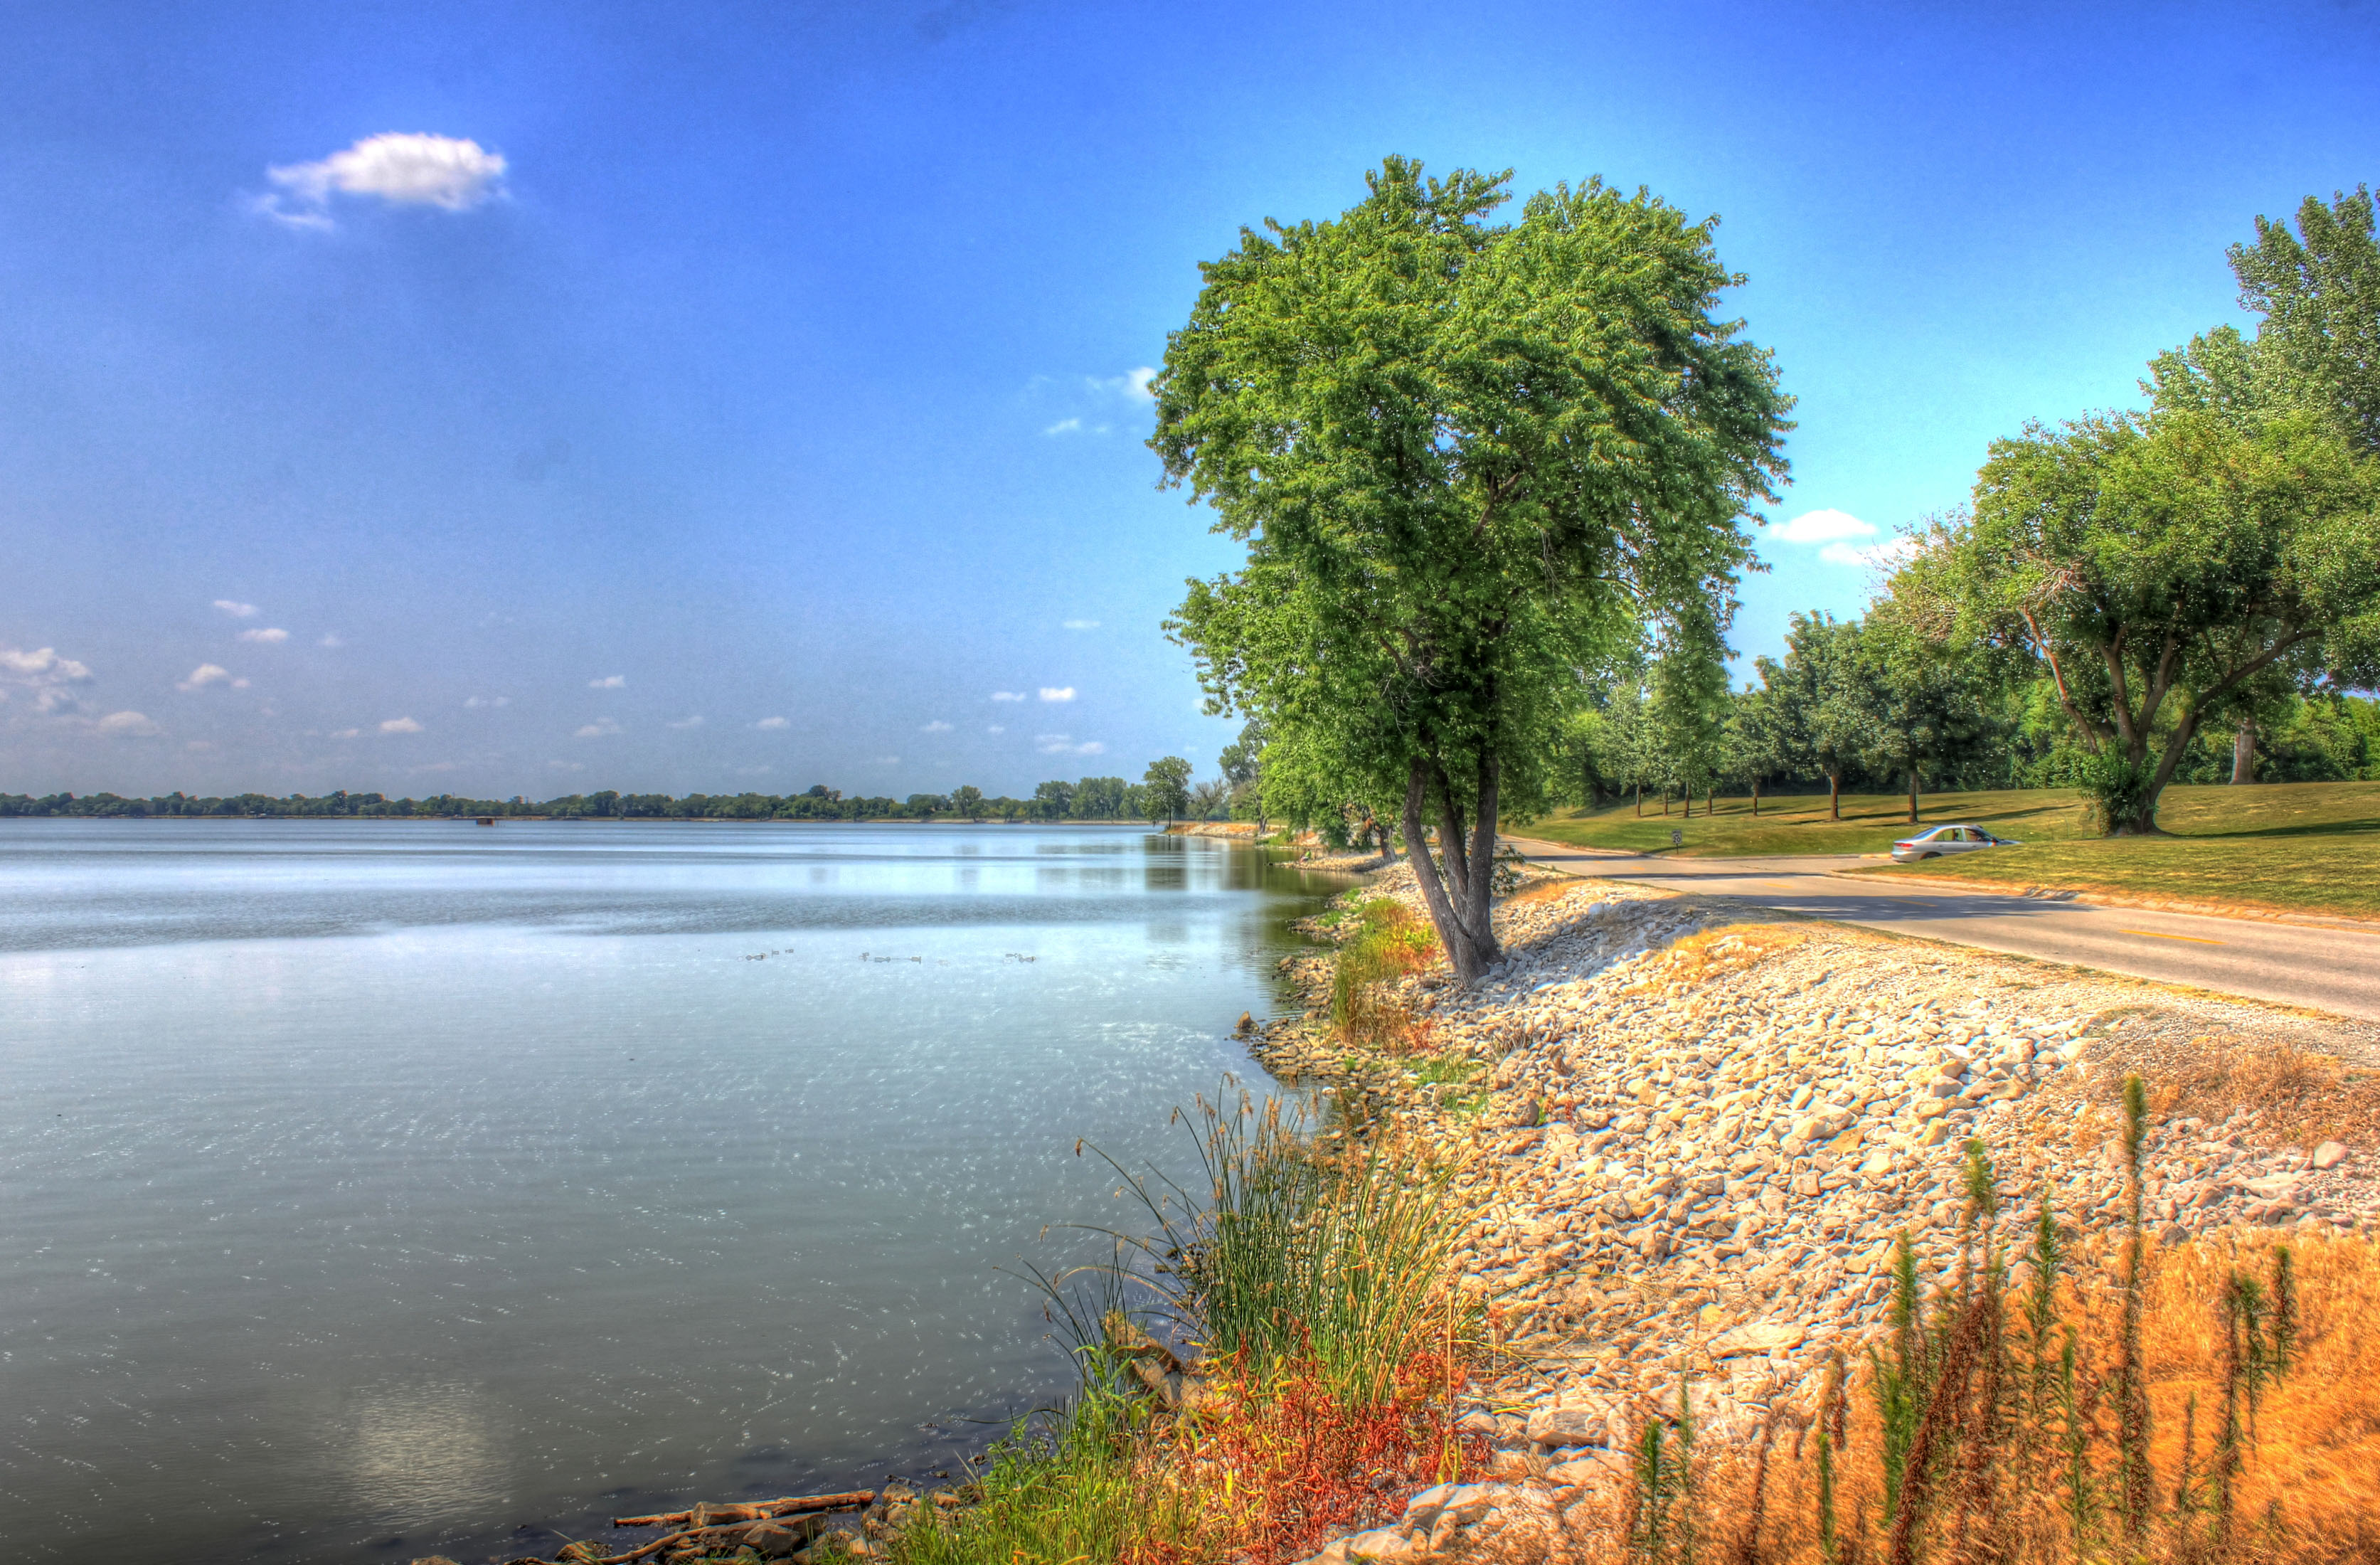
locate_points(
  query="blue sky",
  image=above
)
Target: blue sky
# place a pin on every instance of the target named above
(755, 401)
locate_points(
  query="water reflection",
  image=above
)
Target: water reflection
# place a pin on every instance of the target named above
(389, 1178)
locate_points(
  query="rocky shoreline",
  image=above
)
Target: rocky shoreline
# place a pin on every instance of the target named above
(1692, 1130)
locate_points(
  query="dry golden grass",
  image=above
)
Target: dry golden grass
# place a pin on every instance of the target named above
(2306, 1492)
(1710, 954)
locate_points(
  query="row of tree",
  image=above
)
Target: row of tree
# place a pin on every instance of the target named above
(1493, 479)
(1163, 794)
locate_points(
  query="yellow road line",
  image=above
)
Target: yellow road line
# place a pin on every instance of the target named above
(2160, 935)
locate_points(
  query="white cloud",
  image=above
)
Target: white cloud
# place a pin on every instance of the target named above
(995, 728)
(1824, 527)
(267, 635)
(609, 682)
(1080, 624)
(1132, 386)
(601, 728)
(937, 726)
(399, 167)
(693, 722)
(125, 725)
(43, 672)
(347, 734)
(209, 673)
(330, 641)
(237, 610)
(1057, 692)
(476, 701)
(400, 725)
(1090, 747)
(1065, 427)
(1008, 694)
(773, 723)
(1877, 556)
(1063, 744)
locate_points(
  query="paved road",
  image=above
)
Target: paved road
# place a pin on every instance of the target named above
(2321, 967)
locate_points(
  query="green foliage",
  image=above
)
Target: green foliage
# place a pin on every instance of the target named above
(1343, 1261)
(1387, 943)
(1166, 789)
(1462, 458)
(2319, 293)
(2191, 566)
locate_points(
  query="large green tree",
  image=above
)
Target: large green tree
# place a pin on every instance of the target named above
(1464, 457)
(2160, 569)
(1822, 700)
(1165, 789)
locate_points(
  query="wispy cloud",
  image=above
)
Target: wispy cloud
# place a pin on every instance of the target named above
(601, 728)
(126, 725)
(476, 701)
(773, 723)
(398, 168)
(888, 760)
(210, 674)
(693, 722)
(45, 675)
(996, 728)
(1132, 386)
(1008, 694)
(400, 725)
(1824, 527)
(236, 609)
(1835, 530)
(1892, 551)
(1065, 744)
(609, 682)
(347, 734)
(1080, 624)
(937, 726)
(268, 636)
(1065, 427)
(330, 641)
(1057, 692)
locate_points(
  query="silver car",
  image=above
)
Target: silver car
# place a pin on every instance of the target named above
(1944, 840)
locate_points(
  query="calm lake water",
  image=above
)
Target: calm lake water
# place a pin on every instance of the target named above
(372, 1190)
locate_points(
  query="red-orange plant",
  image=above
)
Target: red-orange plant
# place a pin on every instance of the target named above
(1287, 1467)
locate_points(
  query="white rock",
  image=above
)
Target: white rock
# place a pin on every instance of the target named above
(2329, 1154)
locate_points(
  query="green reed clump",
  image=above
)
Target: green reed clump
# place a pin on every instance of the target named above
(1343, 1260)
(1388, 941)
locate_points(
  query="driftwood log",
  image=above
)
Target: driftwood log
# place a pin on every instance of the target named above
(757, 1511)
(714, 1525)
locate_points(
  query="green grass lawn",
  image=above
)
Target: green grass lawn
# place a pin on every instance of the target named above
(2313, 846)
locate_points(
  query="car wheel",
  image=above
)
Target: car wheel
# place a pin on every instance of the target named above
(1923, 857)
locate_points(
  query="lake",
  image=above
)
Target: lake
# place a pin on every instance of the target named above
(378, 1189)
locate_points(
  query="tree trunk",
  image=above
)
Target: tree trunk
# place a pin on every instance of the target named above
(1912, 795)
(1834, 796)
(1755, 798)
(1459, 902)
(2244, 753)
(1640, 801)
(1664, 800)
(1689, 804)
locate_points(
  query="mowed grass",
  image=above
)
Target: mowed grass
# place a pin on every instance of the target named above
(2284, 847)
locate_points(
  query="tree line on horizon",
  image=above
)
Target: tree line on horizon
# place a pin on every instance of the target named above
(1162, 794)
